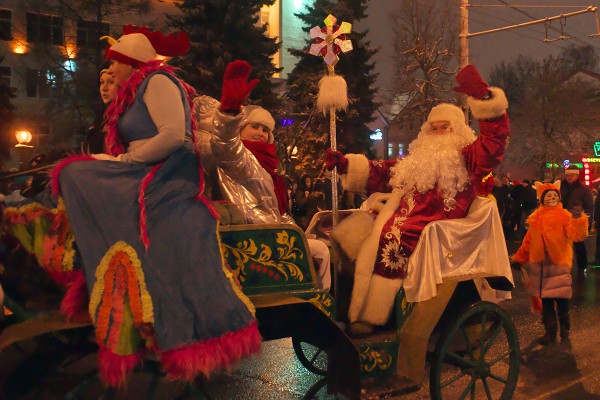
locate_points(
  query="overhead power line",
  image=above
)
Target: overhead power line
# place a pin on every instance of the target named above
(553, 28)
(519, 33)
(523, 6)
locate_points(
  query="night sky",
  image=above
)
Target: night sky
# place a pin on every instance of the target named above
(488, 50)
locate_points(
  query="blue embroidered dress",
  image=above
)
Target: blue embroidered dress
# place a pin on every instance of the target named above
(175, 296)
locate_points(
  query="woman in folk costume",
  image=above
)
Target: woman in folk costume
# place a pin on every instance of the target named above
(242, 144)
(547, 250)
(147, 236)
(438, 180)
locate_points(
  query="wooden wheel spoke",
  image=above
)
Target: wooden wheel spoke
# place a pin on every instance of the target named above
(470, 387)
(314, 357)
(497, 328)
(458, 361)
(500, 357)
(487, 389)
(453, 379)
(468, 342)
(497, 378)
(483, 330)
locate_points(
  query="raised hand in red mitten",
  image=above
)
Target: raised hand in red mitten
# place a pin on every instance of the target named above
(236, 86)
(336, 159)
(471, 83)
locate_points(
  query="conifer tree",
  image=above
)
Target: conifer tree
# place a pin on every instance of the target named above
(222, 31)
(357, 69)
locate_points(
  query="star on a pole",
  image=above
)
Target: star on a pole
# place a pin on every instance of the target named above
(330, 40)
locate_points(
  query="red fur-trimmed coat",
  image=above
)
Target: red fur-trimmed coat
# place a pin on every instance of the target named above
(402, 230)
(548, 249)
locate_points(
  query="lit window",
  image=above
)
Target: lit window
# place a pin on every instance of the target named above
(5, 25)
(390, 149)
(43, 84)
(5, 74)
(45, 29)
(400, 149)
(86, 32)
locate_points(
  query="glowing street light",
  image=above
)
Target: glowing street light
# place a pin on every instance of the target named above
(24, 138)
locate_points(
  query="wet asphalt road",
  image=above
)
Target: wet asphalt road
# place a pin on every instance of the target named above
(565, 370)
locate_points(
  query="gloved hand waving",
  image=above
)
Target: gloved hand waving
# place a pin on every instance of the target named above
(236, 87)
(336, 159)
(471, 83)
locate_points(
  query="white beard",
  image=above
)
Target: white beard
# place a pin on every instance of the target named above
(435, 160)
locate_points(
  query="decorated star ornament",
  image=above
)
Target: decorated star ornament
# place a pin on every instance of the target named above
(330, 40)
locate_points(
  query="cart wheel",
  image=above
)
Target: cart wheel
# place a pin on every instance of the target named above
(311, 357)
(477, 356)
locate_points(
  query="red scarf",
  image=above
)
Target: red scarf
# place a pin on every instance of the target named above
(265, 154)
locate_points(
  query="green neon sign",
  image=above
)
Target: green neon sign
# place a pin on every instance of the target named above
(597, 149)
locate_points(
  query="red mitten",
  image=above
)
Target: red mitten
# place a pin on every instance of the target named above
(336, 159)
(236, 86)
(471, 83)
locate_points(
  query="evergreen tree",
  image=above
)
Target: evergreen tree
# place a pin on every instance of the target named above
(357, 69)
(6, 119)
(222, 31)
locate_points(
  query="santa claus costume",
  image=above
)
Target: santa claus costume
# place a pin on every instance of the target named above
(437, 181)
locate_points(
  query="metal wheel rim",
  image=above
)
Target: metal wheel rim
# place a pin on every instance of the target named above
(309, 360)
(500, 321)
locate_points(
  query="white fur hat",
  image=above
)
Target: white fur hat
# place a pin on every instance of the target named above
(258, 115)
(446, 112)
(132, 49)
(139, 45)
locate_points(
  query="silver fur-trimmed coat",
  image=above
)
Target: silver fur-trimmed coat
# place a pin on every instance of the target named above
(243, 180)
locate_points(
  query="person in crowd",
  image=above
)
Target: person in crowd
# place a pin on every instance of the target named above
(438, 180)
(501, 192)
(516, 220)
(572, 194)
(508, 205)
(596, 261)
(530, 203)
(242, 144)
(547, 249)
(147, 236)
(94, 141)
(307, 201)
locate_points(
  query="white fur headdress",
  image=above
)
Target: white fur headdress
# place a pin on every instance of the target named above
(446, 112)
(258, 115)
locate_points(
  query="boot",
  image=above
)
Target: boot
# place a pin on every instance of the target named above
(550, 325)
(360, 329)
(565, 326)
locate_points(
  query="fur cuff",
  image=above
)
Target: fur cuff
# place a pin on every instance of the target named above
(358, 173)
(351, 233)
(492, 108)
(380, 300)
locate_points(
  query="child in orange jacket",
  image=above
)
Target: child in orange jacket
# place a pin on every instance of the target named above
(548, 250)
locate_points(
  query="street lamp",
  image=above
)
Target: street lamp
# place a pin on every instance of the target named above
(23, 137)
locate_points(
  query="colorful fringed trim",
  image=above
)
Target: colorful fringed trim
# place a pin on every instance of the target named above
(222, 353)
(142, 202)
(114, 368)
(74, 305)
(55, 173)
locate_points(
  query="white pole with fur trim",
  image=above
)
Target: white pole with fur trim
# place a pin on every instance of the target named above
(333, 90)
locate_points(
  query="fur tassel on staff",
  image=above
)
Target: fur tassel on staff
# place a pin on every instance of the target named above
(333, 93)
